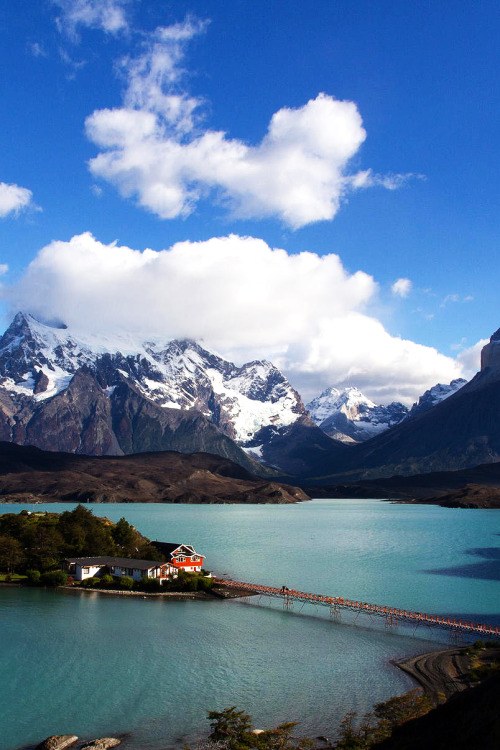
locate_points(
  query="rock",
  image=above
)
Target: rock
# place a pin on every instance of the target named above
(57, 742)
(103, 744)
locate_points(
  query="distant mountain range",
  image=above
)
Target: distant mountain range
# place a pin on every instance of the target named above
(115, 395)
(460, 431)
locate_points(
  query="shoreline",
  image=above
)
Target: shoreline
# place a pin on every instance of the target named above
(443, 672)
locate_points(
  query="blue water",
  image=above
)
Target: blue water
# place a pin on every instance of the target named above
(94, 664)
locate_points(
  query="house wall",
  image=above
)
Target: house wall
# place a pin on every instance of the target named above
(189, 564)
(87, 571)
(134, 573)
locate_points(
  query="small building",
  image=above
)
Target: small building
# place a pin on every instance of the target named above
(95, 567)
(181, 556)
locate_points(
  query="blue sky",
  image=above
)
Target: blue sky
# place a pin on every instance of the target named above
(411, 190)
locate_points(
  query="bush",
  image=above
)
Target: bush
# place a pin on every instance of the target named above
(89, 583)
(54, 578)
(107, 580)
(33, 576)
(205, 584)
(150, 584)
(126, 582)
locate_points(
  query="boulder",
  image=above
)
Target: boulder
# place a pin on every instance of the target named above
(103, 744)
(57, 742)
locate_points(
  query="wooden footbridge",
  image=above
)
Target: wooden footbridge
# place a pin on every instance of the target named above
(336, 604)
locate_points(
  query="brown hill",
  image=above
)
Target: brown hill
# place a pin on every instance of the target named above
(28, 474)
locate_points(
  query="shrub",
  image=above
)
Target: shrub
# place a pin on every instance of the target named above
(54, 578)
(89, 583)
(107, 580)
(205, 584)
(150, 584)
(33, 576)
(126, 582)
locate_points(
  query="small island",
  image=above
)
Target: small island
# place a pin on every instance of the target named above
(84, 551)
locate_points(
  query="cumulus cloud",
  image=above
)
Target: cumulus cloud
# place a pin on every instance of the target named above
(401, 287)
(246, 300)
(470, 358)
(108, 15)
(155, 150)
(14, 199)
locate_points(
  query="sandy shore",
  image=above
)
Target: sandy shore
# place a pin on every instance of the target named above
(439, 671)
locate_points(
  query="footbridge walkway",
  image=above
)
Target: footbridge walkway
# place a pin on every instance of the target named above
(336, 604)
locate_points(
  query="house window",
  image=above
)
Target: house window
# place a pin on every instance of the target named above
(181, 558)
(85, 570)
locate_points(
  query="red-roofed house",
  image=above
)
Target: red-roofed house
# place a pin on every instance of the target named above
(181, 556)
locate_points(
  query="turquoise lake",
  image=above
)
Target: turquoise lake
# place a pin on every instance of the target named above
(100, 665)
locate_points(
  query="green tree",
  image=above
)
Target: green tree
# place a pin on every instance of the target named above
(11, 553)
(124, 535)
(232, 726)
(54, 578)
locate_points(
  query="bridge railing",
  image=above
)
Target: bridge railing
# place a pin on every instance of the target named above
(339, 602)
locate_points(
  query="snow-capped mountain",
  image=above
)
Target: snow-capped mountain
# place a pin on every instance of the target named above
(39, 362)
(436, 394)
(349, 416)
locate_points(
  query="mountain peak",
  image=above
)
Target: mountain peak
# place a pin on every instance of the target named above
(490, 354)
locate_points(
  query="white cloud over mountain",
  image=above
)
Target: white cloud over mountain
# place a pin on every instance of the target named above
(14, 199)
(304, 312)
(156, 150)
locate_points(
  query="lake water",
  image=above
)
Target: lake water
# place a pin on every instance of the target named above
(99, 665)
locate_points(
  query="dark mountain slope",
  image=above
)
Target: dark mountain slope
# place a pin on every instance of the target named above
(28, 474)
(461, 431)
(470, 720)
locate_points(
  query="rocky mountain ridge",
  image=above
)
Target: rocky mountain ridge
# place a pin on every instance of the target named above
(45, 369)
(460, 431)
(348, 415)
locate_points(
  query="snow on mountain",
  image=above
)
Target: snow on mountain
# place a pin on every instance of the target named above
(37, 361)
(436, 394)
(350, 416)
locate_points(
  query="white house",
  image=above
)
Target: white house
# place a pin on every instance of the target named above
(95, 567)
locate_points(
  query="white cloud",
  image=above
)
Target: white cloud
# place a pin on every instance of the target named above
(108, 15)
(304, 312)
(14, 199)
(470, 358)
(455, 298)
(3, 269)
(154, 148)
(401, 287)
(37, 49)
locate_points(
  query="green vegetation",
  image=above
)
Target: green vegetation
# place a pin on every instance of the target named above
(481, 663)
(184, 582)
(233, 729)
(33, 547)
(379, 724)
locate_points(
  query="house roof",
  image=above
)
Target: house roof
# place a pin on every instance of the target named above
(166, 548)
(121, 562)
